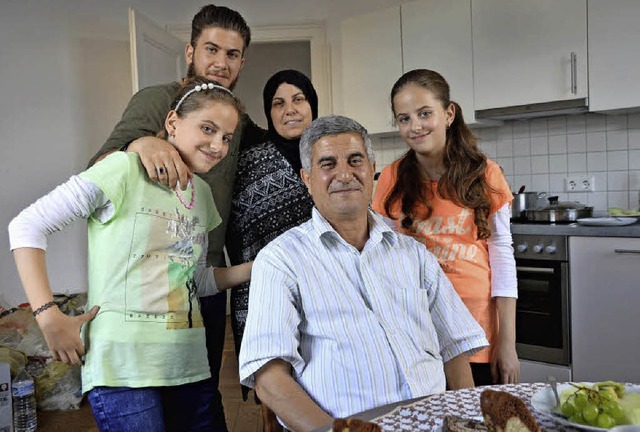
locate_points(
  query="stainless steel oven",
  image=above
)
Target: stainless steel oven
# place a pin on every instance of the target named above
(542, 313)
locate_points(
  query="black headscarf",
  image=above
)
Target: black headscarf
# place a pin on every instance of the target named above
(288, 148)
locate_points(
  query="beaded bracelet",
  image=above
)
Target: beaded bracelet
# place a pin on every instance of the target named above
(44, 307)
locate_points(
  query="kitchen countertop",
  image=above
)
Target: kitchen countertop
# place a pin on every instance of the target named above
(575, 229)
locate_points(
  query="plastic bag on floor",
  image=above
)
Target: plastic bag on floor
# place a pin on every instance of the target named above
(58, 385)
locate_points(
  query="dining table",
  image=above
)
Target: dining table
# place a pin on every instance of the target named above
(427, 414)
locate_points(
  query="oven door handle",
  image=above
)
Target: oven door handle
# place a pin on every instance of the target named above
(542, 270)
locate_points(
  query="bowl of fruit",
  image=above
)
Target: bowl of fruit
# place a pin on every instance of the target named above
(620, 212)
(591, 406)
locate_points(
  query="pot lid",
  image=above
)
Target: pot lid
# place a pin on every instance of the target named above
(554, 204)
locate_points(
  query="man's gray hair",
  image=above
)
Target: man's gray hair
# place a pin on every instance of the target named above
(328, 126)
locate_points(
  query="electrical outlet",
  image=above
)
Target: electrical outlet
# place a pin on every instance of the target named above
(580, 184)
(587, 184)
(571, 184)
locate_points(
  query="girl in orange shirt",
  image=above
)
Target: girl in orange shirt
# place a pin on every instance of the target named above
(445, 193)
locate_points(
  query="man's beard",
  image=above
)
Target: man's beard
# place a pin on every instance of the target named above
(191, 72)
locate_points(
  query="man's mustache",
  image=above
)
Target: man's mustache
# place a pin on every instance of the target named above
(337, 186)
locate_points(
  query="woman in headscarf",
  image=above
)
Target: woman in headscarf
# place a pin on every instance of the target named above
(268, 195)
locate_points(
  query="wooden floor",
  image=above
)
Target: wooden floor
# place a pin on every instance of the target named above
(241, 416)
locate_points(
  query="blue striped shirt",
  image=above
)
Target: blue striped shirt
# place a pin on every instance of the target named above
(360, 329)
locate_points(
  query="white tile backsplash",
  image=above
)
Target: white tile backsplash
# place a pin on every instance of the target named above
(616, 122)
(633, 121)
(522, 165)
(618, 160)
(634, 159)
(558, 163)
(490, 148)
(540, 164)
(541, 153)
(522, 146)
(540, 145)
(617, 181)
(596, 161)
(596, 122)
(506, 164)
(504, 147)
(618, 199)
(634, 139)
(596, 141)
(577, 143)
(577, 163)
(557, 126)
(617, 140)
(539, 182)
(539, 128)
(558, 144)
(576, 124)
(521, 129)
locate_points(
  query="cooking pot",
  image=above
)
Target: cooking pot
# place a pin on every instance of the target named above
(559, 211)
(526, 201)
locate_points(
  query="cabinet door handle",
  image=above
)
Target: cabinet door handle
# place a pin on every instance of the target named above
(574, 73)
(627, 251)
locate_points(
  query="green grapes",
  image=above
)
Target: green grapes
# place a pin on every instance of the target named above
(595, 406)
(605, 421)
(568, 409)
(580, 399)
(614, 409)
(590, 413)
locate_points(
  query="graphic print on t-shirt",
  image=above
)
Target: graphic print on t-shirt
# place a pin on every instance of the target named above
(164, 251)
(447, 237)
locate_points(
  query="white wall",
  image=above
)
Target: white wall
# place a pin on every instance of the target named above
(61, 91)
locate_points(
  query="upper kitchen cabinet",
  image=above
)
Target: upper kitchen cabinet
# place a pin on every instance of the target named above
(371, 63)
(614, 64)
(436, 34)
(529, 56)
(379, 47)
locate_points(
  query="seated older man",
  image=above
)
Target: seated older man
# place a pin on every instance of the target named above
(344, 313)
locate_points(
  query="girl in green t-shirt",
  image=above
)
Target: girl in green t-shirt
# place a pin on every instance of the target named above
(146, 366)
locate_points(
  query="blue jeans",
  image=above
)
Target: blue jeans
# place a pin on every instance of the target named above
(180, 408)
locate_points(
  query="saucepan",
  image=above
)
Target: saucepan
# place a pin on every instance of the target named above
(523, 201)
(559, 211)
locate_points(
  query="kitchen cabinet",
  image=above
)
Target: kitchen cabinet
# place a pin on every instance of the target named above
(605, 302)
(614, 64)
(529, 52)
(436, 35)
(379, 47)
(371, 63)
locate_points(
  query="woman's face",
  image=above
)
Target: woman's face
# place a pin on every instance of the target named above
(422, 120)
(290, 111)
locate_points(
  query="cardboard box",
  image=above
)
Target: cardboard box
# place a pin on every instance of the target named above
(6, 406)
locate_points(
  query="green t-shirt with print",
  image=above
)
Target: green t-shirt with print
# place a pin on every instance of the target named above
(149, 330)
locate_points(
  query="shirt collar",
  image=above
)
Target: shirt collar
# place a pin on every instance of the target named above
(378, 228)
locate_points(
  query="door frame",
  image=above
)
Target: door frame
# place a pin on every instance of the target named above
(314, 33)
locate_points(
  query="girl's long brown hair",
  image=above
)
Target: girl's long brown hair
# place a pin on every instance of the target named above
(463, 182)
